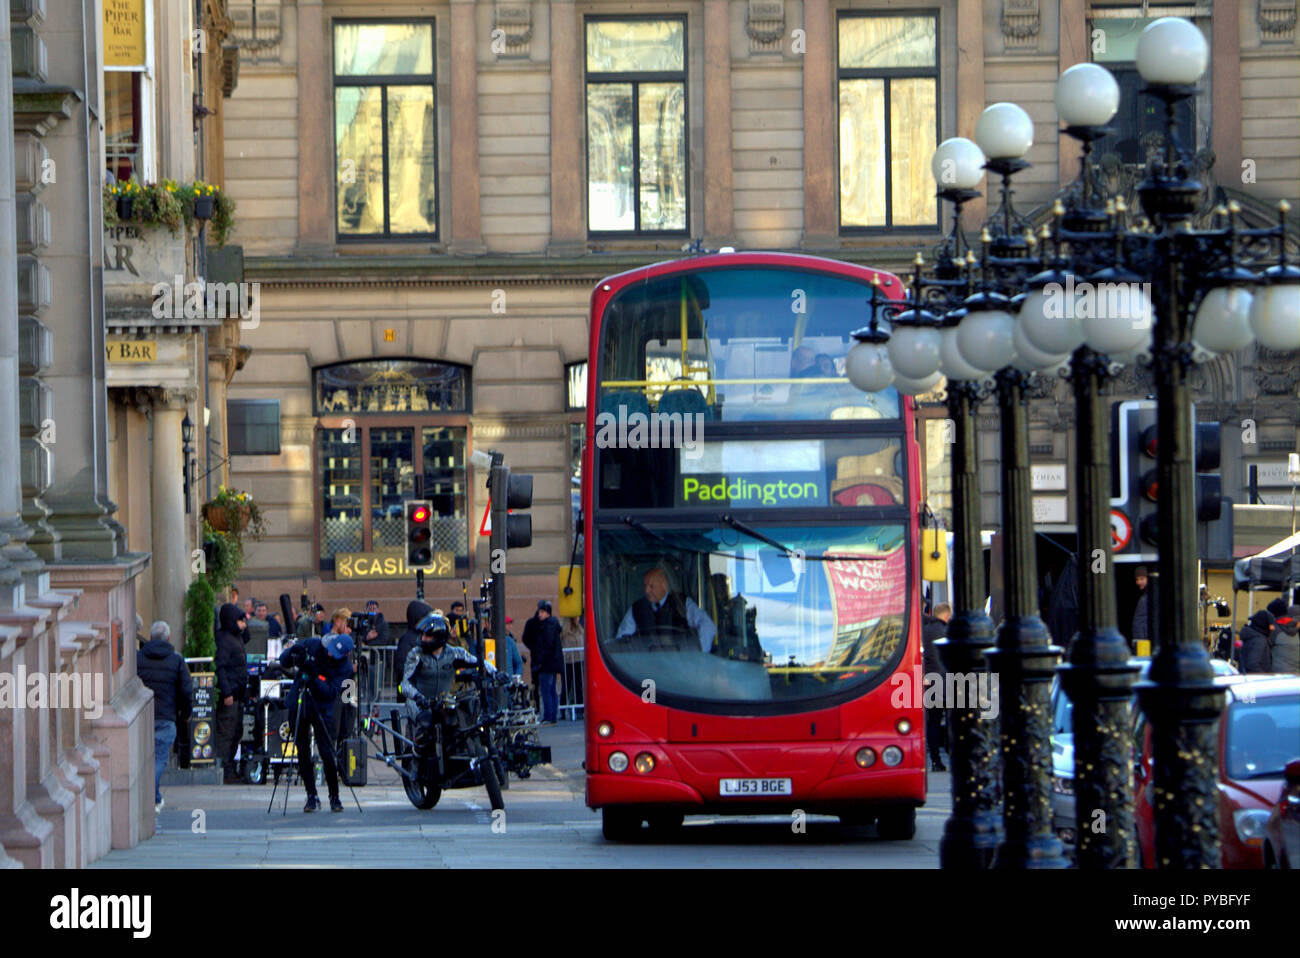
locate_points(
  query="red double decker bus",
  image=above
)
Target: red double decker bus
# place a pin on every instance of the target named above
(751, 558)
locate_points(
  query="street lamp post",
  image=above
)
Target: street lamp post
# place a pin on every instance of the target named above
(187, 449)
(1024, 659)
(1097, 677)
(1198, 305)
(1160, 290)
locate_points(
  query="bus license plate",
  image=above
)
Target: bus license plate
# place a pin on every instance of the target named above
(755, 787)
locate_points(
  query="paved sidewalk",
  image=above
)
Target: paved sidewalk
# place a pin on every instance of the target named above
(546, 824)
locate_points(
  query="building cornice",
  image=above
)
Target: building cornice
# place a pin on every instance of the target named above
(441, 270)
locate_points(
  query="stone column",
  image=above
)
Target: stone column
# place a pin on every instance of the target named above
(820, 109)
(315, 149)
(466, 231)
(171, 561)
(568, 226)
(718, 198)
(12, 530)
(1073, 51)
(970, 89)
(78, 495)
(174, 88)
(22, 230)
(1225, 91)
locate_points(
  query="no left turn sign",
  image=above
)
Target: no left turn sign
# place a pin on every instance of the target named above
(1121, 530)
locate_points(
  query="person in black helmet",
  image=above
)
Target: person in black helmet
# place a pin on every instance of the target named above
(430, 669)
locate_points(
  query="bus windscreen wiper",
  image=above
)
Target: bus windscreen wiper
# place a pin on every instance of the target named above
(642, 528)
(755, 534)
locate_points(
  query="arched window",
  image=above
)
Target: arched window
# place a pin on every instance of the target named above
(389, 429)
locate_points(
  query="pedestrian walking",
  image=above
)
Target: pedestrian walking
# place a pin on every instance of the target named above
(163, 671)
(933, 628)
(549, 663)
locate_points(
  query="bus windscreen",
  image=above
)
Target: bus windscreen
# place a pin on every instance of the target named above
(713, 614)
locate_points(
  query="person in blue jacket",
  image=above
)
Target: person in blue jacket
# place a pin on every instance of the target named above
(323, 667)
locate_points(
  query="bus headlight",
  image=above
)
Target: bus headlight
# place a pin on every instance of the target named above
(865, 757)
(604, 729)
(645, 763)
(892, 755)
(618, 762)
(904, 726)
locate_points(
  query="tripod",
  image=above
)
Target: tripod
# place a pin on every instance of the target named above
(320, 730)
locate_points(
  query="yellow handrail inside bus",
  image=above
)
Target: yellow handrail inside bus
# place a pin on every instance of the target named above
(660, 383)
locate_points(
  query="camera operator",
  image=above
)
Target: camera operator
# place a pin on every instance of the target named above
(458, 625)
(322, 666)
(430, 670)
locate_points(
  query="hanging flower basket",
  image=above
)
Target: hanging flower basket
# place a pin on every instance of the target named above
(226, 518)
(203, 207)
(125, 205)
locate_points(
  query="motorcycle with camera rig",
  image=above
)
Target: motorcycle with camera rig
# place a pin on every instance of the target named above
(454, 705)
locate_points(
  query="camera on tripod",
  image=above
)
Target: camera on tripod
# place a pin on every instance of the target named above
(361, 623)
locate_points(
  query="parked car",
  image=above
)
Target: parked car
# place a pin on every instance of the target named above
(1258, 735)
(1063, 749)
(1282, 830)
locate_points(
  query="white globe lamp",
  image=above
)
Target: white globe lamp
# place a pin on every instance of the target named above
(1087, 96)
(1172, 52)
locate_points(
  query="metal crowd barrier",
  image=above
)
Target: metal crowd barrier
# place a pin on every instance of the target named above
(571, 704)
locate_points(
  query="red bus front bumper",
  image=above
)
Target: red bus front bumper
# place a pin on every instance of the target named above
(822, 781)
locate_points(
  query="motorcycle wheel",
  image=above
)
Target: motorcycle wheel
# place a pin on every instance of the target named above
(423, 796)
(490, 780)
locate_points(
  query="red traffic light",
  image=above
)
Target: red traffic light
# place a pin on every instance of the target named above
(1151, 486)
(1149, 441)
(420, 514)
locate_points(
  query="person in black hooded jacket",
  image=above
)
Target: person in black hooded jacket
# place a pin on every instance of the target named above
(410, 639)
(231, 666)
(1256, 651)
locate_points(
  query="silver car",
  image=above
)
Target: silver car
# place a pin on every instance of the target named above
(1063, 749)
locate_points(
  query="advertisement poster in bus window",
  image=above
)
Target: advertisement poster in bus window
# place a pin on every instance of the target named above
(868, 598)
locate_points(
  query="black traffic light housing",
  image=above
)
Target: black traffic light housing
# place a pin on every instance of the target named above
(1136, 490)
(418, 516)
(519, 495)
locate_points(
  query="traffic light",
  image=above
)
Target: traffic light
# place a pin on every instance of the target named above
(1136, 486)
(1213, 511)
(519, 495)
(419, 533)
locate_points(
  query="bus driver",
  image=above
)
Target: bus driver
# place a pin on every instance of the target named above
(663, 613)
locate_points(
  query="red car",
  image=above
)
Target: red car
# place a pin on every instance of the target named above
(1258, 734)
(1282, 830)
